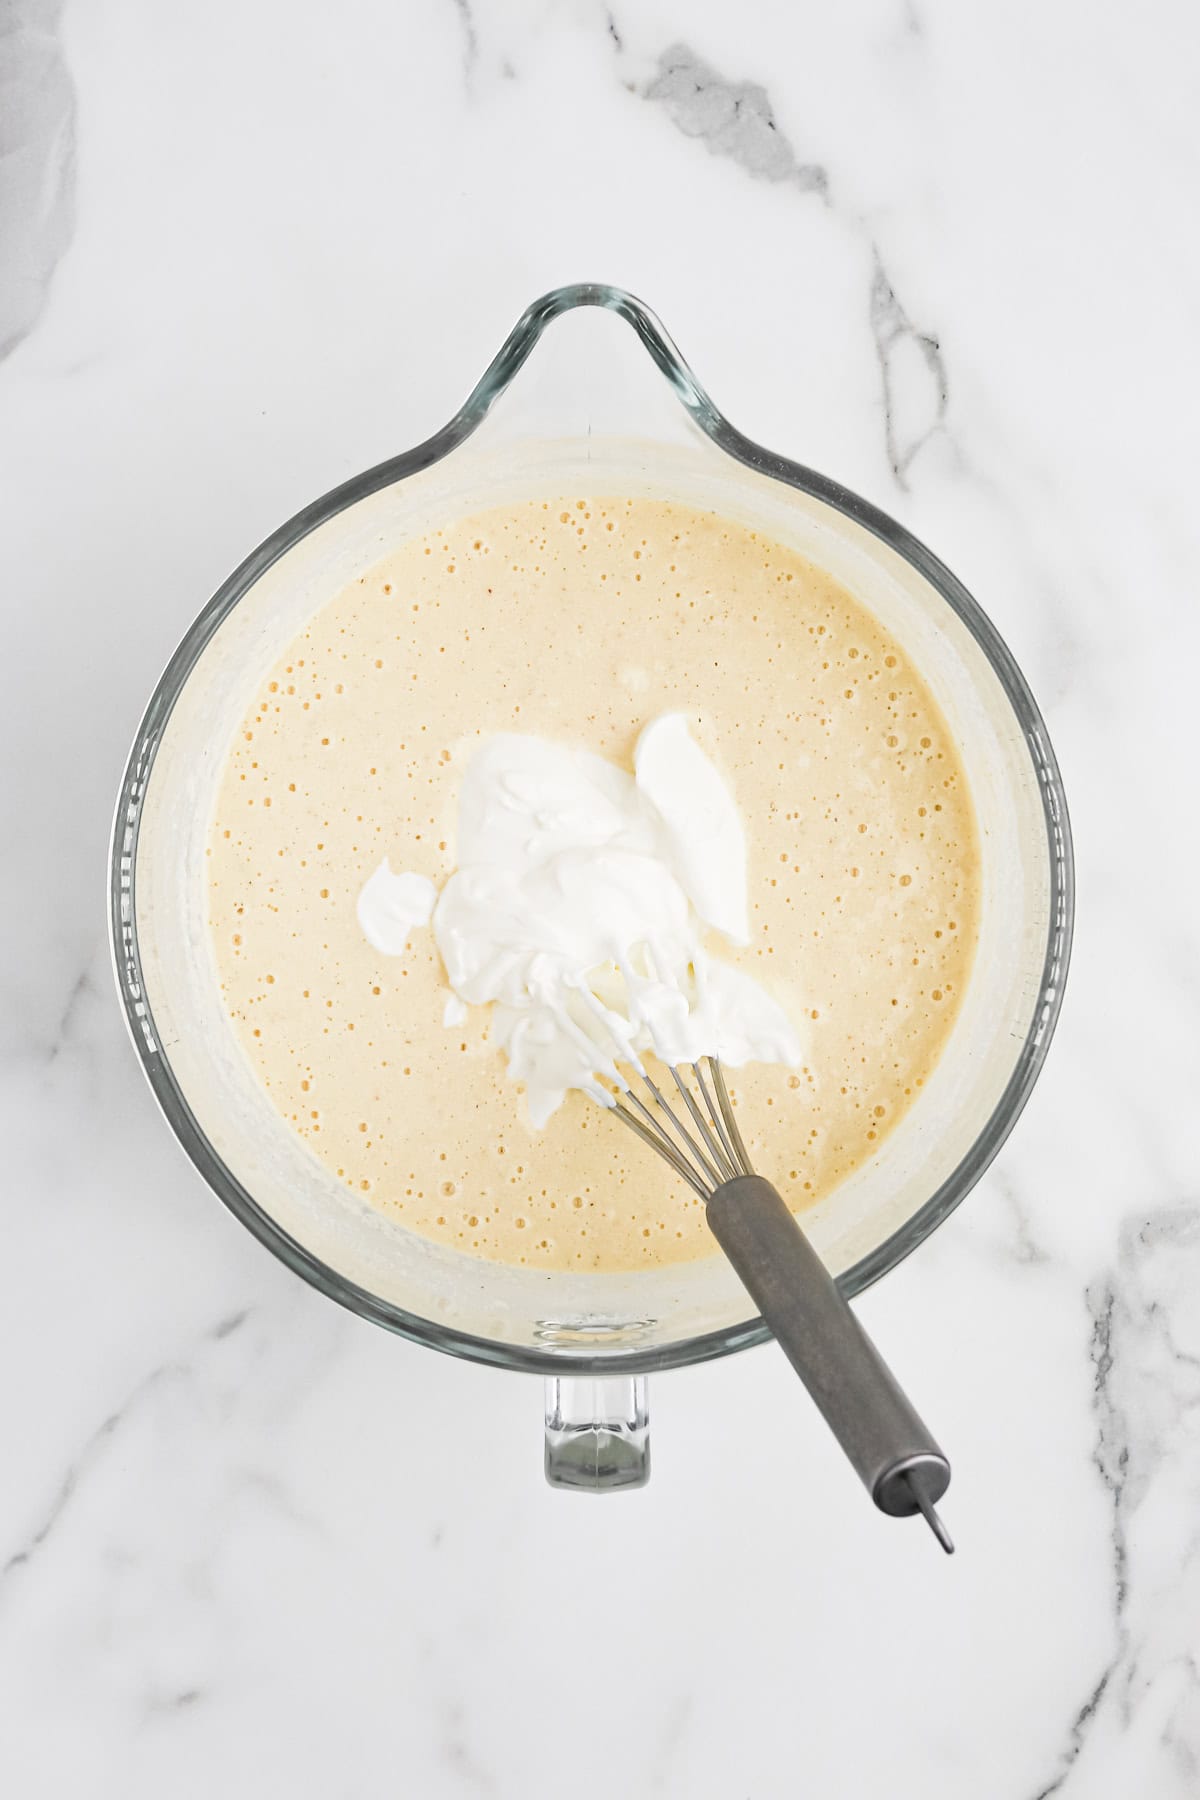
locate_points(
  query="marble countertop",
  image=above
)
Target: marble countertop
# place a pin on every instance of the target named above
(250, 1544)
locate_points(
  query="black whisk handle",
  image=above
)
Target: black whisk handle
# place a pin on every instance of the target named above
(899, 1462)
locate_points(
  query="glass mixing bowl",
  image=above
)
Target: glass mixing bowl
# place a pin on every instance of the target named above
(589, 413)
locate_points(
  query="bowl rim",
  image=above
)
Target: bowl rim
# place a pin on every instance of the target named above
(137, 1009)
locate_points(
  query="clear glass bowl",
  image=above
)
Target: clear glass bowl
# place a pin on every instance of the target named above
(589, 413)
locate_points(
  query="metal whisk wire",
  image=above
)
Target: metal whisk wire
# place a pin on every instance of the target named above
(717, 1155)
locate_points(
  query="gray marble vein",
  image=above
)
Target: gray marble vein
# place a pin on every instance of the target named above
(1110, 1457)
(1025, 1247)
(470, 36)
(37, 162)
(913, 374)
(456, 1750)
(736, 119)
(80, 1466)
(69, 1019)
(1146, 1396)
(92, 1449)
(731, 118)
(173, 1702)
(1077, 1734)
(226, 1327)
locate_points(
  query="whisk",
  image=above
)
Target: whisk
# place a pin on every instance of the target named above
(893, 1452)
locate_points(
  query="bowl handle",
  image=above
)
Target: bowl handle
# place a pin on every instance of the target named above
(597, 1433)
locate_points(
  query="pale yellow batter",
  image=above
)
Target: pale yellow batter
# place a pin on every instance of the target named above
(581, 620)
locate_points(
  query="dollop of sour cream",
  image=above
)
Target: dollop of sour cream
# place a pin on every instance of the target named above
(579, 908)
(389, 907)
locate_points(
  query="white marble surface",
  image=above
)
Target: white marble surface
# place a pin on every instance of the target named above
(251, 1545)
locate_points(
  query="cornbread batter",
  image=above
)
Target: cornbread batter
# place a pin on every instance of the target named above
(579, 621)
